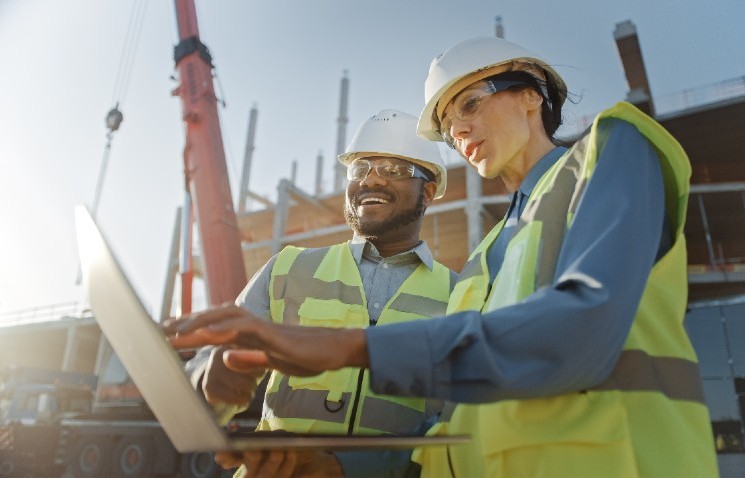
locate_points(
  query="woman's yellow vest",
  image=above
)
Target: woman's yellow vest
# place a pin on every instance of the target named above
(648, 419)
(323, 288)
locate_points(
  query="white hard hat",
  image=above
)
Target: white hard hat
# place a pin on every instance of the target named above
(393, 133)
(475, 59)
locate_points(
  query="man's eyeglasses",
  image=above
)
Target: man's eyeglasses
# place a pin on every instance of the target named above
(467, 103)
(388, 170)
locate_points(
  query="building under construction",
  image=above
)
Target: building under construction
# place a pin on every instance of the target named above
(708, 122)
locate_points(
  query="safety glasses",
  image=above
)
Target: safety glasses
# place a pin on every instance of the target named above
(465, 105)
(389, 170)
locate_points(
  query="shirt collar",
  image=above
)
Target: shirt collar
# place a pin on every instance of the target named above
(360, 246)
(540, 168)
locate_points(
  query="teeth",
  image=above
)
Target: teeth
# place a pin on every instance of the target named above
(373, 201)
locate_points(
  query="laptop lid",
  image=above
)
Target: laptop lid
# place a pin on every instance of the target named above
(157, 370)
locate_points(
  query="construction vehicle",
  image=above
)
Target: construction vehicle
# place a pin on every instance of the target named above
(80, 425)
(452, 227)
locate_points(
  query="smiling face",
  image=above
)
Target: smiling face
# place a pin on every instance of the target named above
(387, 209)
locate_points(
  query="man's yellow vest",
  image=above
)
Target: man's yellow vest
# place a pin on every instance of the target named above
(648, 419)
(323, 288)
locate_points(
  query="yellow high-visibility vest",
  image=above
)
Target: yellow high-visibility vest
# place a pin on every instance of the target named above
(323, 287)
(649, 418)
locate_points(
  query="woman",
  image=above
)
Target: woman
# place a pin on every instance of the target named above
(564, 342)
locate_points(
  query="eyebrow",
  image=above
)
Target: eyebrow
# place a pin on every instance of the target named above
(472, 87)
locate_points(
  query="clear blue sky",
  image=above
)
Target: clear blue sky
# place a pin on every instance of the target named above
(59, 63)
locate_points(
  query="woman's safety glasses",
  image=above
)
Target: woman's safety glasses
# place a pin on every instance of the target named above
(465, 105)
(388, 169)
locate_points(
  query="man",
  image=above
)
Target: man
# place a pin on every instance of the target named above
(564, 342)
(386, 274)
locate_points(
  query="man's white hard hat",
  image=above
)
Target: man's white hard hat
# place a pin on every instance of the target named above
(471, 61)
(393, 133)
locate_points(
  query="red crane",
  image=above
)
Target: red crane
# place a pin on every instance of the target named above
(205, 169)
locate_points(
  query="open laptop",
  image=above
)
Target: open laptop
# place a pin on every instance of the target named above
(158, 371)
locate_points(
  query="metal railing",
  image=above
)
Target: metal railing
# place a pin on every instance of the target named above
(44, 313)
(676, 102)
(700, 96)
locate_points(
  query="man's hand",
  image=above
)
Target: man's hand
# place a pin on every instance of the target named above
(290, 349)
(226, 382)
(283, 464)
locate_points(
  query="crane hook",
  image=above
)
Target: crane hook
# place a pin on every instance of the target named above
(114, 118)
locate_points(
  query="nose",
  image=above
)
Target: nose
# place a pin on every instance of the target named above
(459, 129)
(373, 179)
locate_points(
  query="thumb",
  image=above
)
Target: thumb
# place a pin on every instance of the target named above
(244, 361)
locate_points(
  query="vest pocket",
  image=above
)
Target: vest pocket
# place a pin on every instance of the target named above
(324, 397)
(327, 390)
(330, 313)
(327, 313)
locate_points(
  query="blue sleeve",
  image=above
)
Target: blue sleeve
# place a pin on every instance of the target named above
(563, 338)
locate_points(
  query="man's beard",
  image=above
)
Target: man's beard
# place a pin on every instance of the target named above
(377, 229)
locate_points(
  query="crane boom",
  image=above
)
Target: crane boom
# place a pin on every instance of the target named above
(204, 163)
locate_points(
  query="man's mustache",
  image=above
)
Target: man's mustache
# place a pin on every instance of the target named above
(387, 195)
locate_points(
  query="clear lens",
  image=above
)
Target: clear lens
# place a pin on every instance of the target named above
(463, 107)
(388, 170)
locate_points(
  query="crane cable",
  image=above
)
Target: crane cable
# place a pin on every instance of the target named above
(121, 86)
(114, 117)
(131, 42)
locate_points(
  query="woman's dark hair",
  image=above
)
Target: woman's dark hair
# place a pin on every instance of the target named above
(552, 96)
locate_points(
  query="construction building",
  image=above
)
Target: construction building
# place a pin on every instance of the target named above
(708, 122)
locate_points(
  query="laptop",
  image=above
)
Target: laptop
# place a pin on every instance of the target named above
(158, 372)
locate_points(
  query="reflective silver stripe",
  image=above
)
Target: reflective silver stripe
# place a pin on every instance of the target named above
(550, 209)
(637, 371)
(676, 378)
(307, 262)
(417, 304)
(303, 403)
(602, 134)
(389, 417)
(472, 268)
(304, 287)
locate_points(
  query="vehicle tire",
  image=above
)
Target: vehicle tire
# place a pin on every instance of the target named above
(90, 457)
(199, 465)
(132, 457)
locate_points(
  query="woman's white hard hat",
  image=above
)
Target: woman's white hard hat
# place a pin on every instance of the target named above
(393, 133)
(471, 61)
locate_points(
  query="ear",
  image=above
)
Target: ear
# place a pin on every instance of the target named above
(429, 189)
(532, 99)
